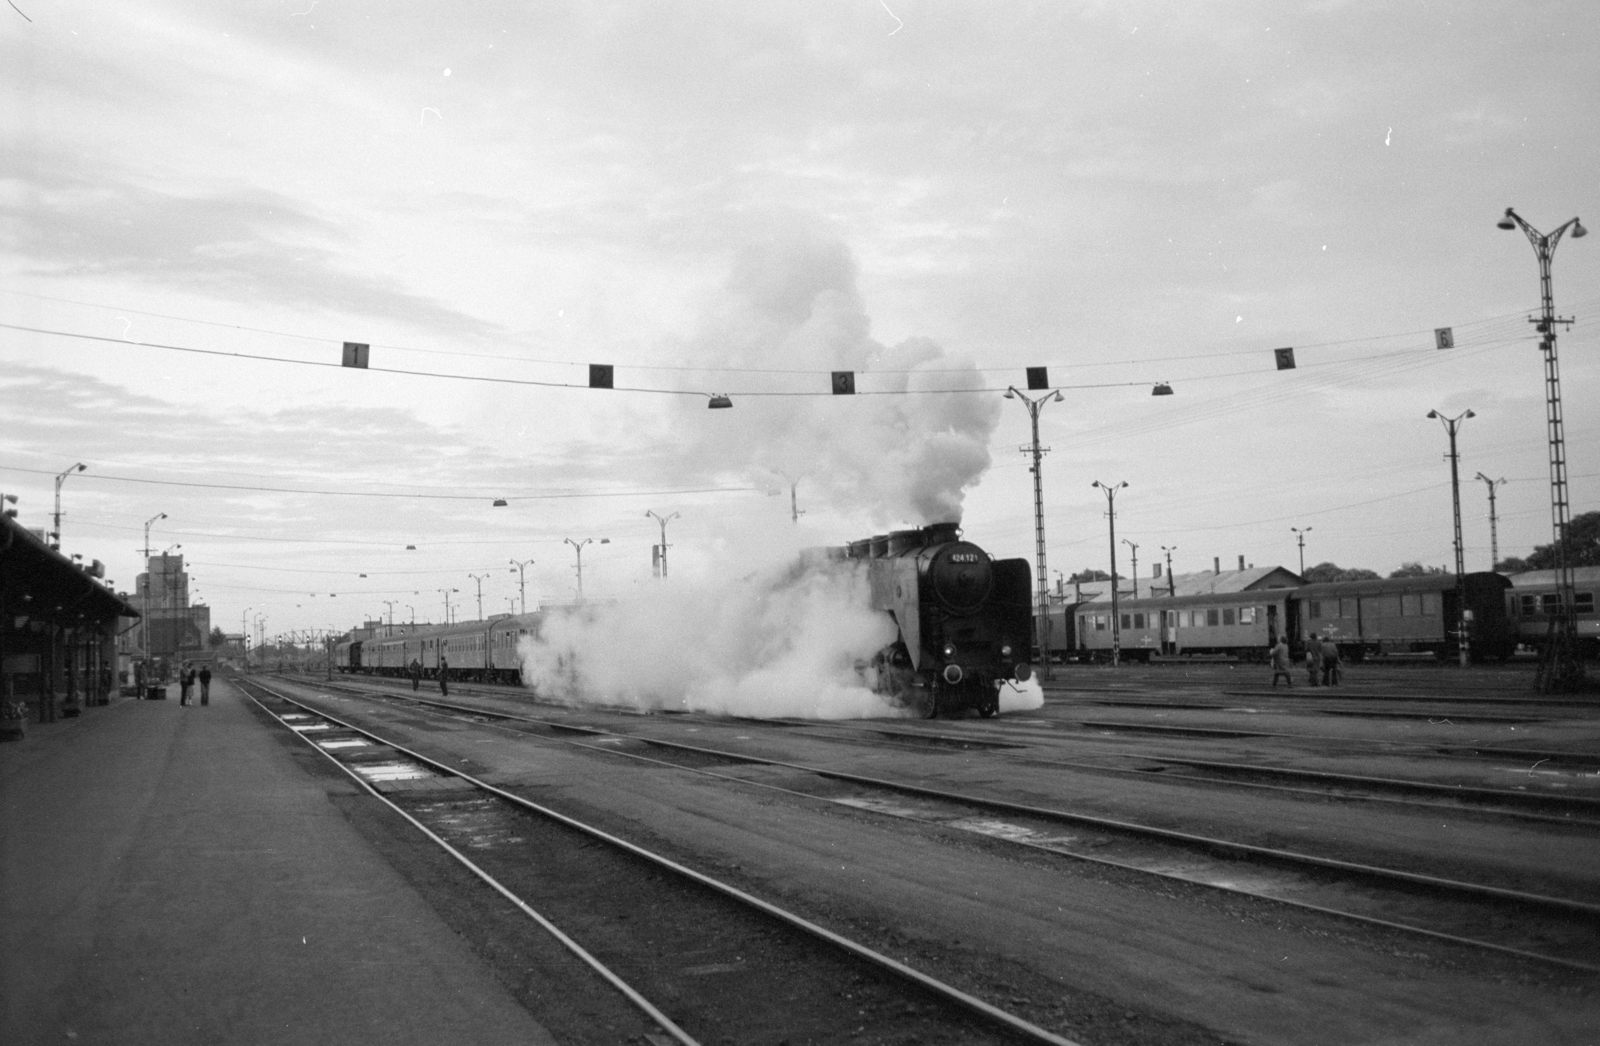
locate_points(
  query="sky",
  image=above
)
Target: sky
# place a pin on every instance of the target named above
(200, 203)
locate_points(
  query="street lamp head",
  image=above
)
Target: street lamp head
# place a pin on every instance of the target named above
(1011, 394)
(1469, 414)
(1433, 414)
(1056, 395)
(1505, 222)
(1578, 229)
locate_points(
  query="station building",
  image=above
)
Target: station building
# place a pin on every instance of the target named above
(59, 624)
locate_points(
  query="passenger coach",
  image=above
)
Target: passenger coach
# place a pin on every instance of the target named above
(1533, 597)
(485, 651)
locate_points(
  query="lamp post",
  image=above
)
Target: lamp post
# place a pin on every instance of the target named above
(390, 604)
(144, 597)
(446, 592)
(1111, 514)
(1451, 425)
(1135, 553)
(1300, 539)
(1172, 586)
(1042, 614)
(1559, 668)
(413, 614)
(55, 534)
(479, 579)
(577, 546)
(244, 633)
(1494, 538)
(664, 520)
(522, 582)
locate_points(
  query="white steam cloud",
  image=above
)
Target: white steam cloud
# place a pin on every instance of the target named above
(784, 642)
(791, 313)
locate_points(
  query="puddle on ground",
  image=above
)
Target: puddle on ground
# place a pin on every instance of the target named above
(393, 771)
(883, 806)
(1015, 833)
(353, 742)
(308, 727)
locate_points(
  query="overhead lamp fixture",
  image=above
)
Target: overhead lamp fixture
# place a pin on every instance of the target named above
(1506, 222)
(1163, 389)
(499, 503)
(411, 548)
(719, 403)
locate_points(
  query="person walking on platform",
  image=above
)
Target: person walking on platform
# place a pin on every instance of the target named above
(1314, 658)
(444, 676)
(185, 681)
(205, 684)
(1280, 663)
(1330, 662)
(416, 674)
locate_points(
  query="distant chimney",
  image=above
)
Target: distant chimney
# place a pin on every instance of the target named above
(1216, 564)
(1241, 562)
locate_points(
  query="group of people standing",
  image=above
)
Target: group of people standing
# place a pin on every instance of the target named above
(444, 675)
(186, 680)
(1322, 662)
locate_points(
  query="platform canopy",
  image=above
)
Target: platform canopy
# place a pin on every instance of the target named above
(41, 583)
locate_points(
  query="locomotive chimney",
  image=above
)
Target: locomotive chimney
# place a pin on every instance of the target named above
(1216, 564)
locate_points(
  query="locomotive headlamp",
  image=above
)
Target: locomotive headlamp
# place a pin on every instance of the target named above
(949, 650)
(1005, 650)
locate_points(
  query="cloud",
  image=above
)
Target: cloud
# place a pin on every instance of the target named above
(240, 243)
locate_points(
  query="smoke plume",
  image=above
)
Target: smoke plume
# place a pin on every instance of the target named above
(793, 306)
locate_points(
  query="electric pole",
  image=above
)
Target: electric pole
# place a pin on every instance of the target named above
(1494, 538)
(1451, 425)
(1042, 622)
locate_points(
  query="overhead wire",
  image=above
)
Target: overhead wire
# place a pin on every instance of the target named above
(717, 369)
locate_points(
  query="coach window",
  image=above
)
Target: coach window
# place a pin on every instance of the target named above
(1530, 605)
(1247, 615)
(1227, 615)
(1583, 602)
(1127, 620)
(1099, 622)
(1138, 621)
(1549, 602)
(1211, 618)
(1316, 608)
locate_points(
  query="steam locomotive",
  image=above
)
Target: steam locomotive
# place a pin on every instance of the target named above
(963, 618)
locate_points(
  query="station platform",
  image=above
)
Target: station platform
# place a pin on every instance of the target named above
(170, 874)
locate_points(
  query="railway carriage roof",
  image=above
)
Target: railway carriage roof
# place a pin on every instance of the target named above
(1391, 586)
(1547, 578)
(1210, 585)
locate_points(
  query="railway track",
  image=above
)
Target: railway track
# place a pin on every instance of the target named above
(696, 956)
(1548, 929)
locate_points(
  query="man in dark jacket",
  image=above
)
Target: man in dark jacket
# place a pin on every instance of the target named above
(1280, 663)
(416, 673)
(444, 676)
(1330, 662)
(205, 684)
